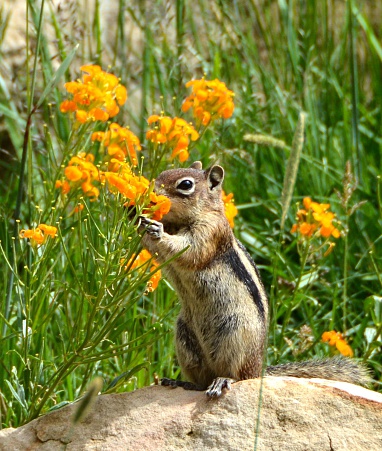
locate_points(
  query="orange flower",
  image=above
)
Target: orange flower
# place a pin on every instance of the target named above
(336, 339)
(230, 208)
(125, 186)
(209, 100)
(315, 218)
(126, 182)
(39, 235)
(120, 143)
(96, 97)
(307, 229)
(142, 262)
(176, 133)
(153, 283)
(64, 185)
(137, 261)
(159, 206)
(80, 172)
(78, 208)
(48, 230)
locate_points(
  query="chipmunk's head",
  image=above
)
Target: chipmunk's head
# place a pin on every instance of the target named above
(193, 192)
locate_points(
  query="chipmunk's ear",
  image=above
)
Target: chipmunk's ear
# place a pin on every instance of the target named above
(197, 165)
(215, 177)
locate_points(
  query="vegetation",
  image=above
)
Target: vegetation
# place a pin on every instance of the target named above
(302, 154)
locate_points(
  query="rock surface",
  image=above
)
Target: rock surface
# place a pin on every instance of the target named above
(295, 414)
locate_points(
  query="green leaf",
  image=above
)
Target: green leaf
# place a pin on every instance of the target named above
(16, 396)
(59, 405)
(127, 374)
(370, 35)
(57, 75)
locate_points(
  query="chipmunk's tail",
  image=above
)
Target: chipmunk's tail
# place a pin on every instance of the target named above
(335, 368)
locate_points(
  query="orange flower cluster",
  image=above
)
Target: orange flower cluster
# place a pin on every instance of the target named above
(209, 100)
(230, 208)
(135, 188)
(315, 218)
(96, 97)
(176, 133)
(120, 143)
(80, 172)
(40, 234)
(141, 261)
(125, 181)
(336, 339)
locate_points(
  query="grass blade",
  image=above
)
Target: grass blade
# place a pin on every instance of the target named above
(57, 75)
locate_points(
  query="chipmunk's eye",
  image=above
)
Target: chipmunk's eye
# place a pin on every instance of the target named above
(186, 185)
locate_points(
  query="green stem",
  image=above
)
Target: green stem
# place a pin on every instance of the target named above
(98, 33)
(146, 79)
(273, 294)
(55, 380)
(24, 155)
(345, 270)
(354, 89)
(292, 301)
(179, 39)
(377, 273)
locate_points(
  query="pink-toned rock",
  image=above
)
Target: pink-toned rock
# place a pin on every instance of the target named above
(295, 414)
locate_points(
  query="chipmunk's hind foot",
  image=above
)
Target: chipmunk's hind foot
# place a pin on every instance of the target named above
(166, 382)
(219, 384)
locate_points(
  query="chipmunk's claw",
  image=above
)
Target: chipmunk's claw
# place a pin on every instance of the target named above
(151, 227)
(219, 384)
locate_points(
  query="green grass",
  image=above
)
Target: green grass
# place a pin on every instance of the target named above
(67, 313)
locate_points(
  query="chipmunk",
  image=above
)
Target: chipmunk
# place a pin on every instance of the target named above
(222, 327)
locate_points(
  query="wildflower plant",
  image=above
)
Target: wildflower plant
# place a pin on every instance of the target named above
(315, 227)
(315, 223)
(86, 259)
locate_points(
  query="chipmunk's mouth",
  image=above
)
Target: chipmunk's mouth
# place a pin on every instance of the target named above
(159, 189)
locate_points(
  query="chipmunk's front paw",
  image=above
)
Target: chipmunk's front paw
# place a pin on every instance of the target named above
(218, 384)
(152, 228)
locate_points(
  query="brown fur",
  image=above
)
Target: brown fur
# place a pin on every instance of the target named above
(223, 323)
